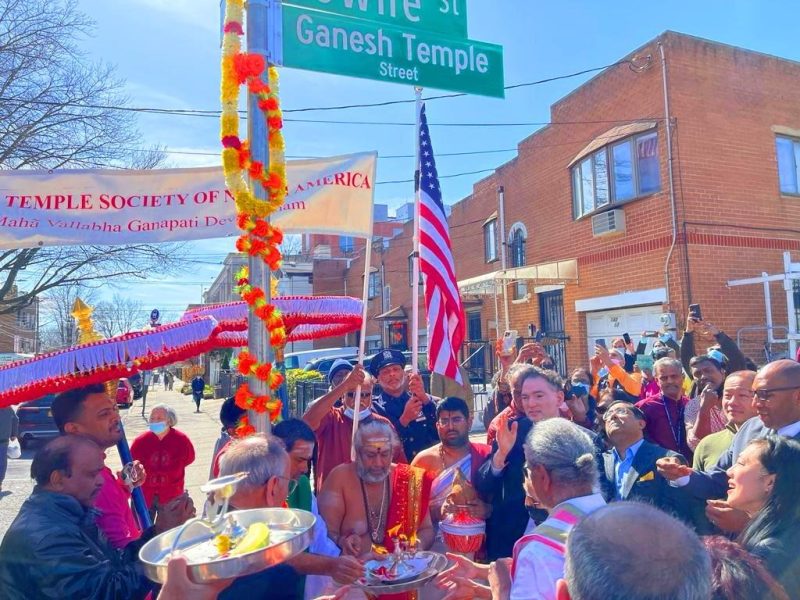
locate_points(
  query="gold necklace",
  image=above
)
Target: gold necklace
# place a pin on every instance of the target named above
(441, 457)
(376, 522)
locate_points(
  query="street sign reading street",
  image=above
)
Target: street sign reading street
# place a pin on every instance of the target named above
(448, 17)
(320, 41)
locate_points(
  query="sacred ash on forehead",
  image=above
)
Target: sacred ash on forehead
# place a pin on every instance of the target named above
(377, 443)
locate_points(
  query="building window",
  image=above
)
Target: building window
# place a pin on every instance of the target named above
(788, 164)
(346, 244)
(398, 335)
(616, 173)
(373, 344)
(516, 250)
(374, 289)
(796, 290)
(26, 320)
(490, 241)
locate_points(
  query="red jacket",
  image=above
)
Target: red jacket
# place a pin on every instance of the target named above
(165, 461)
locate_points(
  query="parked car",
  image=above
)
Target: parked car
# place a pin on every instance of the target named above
(298, 360)
(36, 420)
(124, 393)
(323, 365)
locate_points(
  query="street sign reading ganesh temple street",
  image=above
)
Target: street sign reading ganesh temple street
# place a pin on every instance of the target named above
(416, 42)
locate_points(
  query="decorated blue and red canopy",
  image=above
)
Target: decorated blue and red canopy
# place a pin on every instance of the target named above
(200, 330)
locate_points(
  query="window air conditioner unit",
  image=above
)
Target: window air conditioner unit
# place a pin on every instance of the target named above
(608, 223)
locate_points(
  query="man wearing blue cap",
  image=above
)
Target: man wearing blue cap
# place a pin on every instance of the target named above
(333, 425)
(404, 402)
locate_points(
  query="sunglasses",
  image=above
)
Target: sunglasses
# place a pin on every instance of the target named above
(363, 395)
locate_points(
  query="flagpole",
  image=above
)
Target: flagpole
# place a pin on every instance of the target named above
(415, 253)
(362, 342)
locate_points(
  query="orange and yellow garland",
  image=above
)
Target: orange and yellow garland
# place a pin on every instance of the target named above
(259, 238)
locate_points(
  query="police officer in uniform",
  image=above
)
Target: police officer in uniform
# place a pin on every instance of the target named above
(404, 402)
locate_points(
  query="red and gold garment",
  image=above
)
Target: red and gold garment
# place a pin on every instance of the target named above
(411, 495)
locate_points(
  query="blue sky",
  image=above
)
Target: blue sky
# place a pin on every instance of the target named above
(168, 52)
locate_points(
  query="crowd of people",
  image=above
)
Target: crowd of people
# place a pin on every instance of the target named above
(676, 481)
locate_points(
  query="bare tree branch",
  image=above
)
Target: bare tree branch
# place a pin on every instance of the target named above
(58, 329)
(120, 315)
(48, 90)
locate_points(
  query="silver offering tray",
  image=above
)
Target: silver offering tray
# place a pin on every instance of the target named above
(290, 533)
(437, 563)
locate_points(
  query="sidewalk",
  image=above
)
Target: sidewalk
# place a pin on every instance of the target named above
(203, 430)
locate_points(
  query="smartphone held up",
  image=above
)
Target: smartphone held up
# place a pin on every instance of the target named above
(509, 342)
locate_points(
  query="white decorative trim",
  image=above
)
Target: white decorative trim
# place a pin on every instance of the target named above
(637, 298)
(541, 289)
(514, 227)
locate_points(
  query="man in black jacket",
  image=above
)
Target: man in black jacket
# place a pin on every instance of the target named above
(54, 549)
(776, 397)
(499, 480)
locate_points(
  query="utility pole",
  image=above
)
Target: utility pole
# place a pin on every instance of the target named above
(257, 335)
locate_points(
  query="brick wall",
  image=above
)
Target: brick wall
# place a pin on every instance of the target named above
(732, 221)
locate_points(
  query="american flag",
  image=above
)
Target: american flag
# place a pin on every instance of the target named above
(442, 300)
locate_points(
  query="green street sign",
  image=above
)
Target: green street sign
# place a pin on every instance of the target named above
(440, 16)
(319, 41)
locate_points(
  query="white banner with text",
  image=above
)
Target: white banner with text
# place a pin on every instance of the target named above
(111, 207)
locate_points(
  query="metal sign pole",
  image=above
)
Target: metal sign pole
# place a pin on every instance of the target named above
(257, 335)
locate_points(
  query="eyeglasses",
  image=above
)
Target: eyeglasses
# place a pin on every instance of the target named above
(608, 414)
(291, 485)
(364, 395)
(454, 421)
(764, 393)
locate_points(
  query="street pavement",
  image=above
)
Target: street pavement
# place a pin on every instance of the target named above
(203, 429)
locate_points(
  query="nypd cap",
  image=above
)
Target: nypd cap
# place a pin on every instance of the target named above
(384, 358)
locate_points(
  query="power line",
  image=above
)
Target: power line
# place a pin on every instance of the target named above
(216, 113)
(290, 156)
(440, 177)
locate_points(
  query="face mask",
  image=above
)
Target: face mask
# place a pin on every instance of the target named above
(158, 428)
(363, 414)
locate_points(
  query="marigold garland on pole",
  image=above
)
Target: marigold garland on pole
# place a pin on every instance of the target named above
(259, 238)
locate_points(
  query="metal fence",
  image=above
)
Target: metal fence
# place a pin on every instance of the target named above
(754, 342)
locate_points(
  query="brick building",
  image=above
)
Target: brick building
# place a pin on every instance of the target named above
(18, 330)
(602, 233)
(323, 246)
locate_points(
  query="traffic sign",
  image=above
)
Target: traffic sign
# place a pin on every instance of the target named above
(439, 16)
(330, 43)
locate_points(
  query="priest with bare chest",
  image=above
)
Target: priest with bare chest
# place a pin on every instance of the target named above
(371, 503)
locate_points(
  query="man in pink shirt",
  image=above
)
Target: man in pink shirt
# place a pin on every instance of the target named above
(91, 413)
